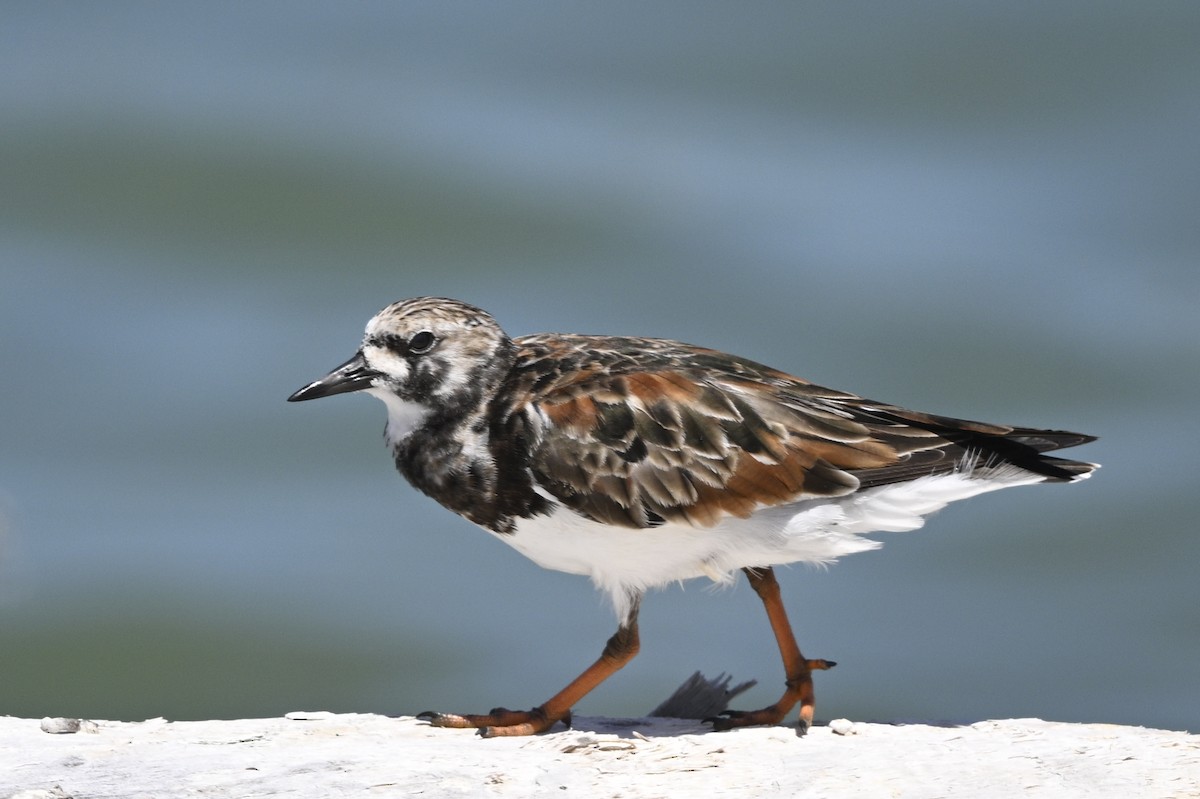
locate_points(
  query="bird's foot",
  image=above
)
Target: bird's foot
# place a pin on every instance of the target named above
(799, 689)
(498, 722)
(731, 719)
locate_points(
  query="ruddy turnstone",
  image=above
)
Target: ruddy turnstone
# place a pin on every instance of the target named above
(639, 462)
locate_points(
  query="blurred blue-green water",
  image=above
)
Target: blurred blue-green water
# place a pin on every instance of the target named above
(976, 209)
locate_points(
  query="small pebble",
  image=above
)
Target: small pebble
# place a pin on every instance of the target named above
(309, 715)
(842, 727)
(42, 793)
(60, 726)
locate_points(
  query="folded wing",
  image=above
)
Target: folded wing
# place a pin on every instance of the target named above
(660, 431)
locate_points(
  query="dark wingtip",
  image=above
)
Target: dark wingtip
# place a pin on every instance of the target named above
(1048, 440)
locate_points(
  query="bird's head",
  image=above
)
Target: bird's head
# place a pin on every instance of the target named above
(422, 357)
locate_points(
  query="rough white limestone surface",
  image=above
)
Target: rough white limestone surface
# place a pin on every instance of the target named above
(353, 755)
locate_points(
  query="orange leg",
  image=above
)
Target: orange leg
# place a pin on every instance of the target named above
(619, 650)
(798, 669)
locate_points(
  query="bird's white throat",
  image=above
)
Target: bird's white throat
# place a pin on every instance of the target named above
(403, 416)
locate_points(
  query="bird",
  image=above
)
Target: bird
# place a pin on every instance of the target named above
(642, 462)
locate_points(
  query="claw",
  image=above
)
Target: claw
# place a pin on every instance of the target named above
(718, 723)
(436, 719)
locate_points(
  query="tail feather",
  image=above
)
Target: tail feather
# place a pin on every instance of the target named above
(1023, 447)
(992, 445)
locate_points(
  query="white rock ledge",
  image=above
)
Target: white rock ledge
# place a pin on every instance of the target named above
(352, 755)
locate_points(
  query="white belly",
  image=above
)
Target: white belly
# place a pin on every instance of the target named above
(625, 562)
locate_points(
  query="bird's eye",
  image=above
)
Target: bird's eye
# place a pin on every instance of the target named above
(422, 342)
